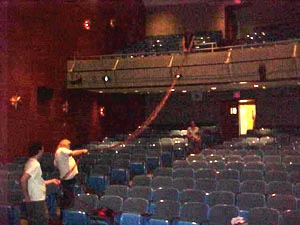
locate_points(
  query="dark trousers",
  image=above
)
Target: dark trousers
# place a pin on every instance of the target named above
(37, 213)
(67, 200)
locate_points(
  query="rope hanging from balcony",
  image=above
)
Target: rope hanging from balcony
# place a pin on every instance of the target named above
(148, 121)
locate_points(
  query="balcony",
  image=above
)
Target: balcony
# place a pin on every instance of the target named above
(221, 68)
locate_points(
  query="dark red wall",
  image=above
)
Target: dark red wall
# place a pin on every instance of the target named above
(123, 113)
(175, 19)
(41, 37)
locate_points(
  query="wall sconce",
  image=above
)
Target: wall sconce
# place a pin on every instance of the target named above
(15, 100)
(87, 24)
(112, 23)
(101, 111)
(65, 107)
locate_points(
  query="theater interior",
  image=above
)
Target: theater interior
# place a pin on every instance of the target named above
(111, 76)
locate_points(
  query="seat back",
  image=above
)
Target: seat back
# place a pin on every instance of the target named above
(207, 185)
(196, 212)
(180, 163)
(228, 174)
(166, 193)
(232, 185)
(251, 175)
(280, 187)
(140, 192)
(221, 197)
(247, 201)
(119, 190)
(290, 217)
(111, 201)
(222, 214)
(275, 175)
(166, 210)
(237, 165)
(183, 172)
(263, 216)
(282, 202)
(141, 180)
(161, 181)
(86, 202)
(135, 205)
(197, 164)
(205, 173)
(181, 183)
(163, 171)
(192, 195)
(254, 186)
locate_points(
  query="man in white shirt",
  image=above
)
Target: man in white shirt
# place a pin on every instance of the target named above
(194, 138)
(67, 167)
(34, 187)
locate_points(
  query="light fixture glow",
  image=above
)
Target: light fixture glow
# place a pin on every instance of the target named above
(245, 101)
(102, 111)
(178, 76)
(112, 23)
(106, 78)
(87, 24)
(15, 100)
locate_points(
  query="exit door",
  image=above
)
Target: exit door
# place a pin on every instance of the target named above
(229, 122)
(236, 118)
(247, 114)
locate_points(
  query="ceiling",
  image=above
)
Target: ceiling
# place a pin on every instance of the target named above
(151, 3)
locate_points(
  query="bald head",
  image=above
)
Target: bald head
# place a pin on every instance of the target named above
(64, 143)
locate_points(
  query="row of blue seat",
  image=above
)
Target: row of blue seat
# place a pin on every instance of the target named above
(137, 211)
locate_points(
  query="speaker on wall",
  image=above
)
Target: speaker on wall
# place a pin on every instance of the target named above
(44, 94)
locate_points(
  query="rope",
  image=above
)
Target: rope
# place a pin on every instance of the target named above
(147, 122)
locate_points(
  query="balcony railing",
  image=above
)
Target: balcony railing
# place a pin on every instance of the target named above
(224, 66)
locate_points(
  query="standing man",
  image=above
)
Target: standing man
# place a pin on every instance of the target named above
(67, 167)
(194, 138)
(34, 187)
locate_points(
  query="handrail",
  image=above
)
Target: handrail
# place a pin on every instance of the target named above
(211, 49)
